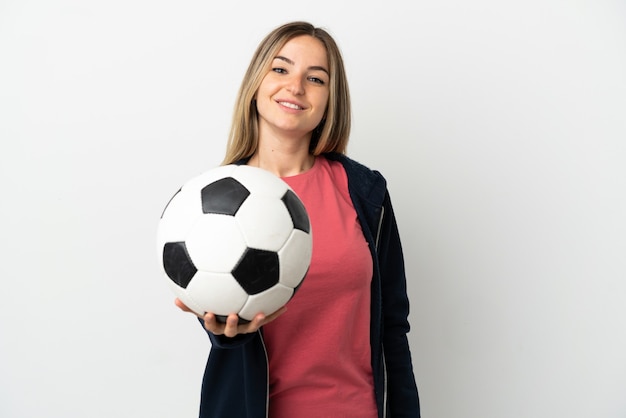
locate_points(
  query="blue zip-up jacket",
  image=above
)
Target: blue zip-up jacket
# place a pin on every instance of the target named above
(235, 383)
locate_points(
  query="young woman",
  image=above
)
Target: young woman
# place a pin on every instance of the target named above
(340, 349)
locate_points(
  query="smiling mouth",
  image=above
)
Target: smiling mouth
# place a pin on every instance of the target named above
(291, 105)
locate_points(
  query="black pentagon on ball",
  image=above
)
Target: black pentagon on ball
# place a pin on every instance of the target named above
(257, 270)
(177, 263)
(297, 211)
(223, 196)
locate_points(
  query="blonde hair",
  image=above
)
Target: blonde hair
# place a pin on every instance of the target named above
(331, 135)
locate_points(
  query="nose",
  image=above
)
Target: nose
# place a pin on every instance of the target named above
(295, 85)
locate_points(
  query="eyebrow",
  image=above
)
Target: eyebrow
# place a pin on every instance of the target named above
(313, 67)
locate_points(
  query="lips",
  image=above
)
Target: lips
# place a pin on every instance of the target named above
(290, 105)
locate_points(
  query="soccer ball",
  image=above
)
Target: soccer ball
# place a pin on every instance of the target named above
(235, 239)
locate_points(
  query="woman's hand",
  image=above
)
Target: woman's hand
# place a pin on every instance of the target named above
(232, 327)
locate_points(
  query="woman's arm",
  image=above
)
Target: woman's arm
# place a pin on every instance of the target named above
(230, 333)
(402, 395)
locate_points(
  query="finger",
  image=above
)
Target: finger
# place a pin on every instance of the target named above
(260, 319)
(230, 330)
(273, 316)
(181, 305)
(255, 324)
(211, 324)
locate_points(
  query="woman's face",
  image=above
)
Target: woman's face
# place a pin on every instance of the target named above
(293, 95)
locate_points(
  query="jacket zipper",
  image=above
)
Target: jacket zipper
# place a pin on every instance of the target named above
(380, 226)
(267, 376)
(384, 406)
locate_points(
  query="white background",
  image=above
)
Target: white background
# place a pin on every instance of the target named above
(500, 126)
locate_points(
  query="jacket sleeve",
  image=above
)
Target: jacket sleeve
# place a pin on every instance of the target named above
(402, 395)
(221, 341)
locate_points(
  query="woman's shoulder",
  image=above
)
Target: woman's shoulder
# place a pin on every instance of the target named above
(362, 179)
(353, 165)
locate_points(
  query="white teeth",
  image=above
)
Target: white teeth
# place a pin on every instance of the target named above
(290, 105)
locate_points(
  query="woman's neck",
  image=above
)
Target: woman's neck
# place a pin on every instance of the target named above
(284, 158)
(282, 164)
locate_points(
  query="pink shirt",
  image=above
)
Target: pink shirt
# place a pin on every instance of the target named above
(319, 350)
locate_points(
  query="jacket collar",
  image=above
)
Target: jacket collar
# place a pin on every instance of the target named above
(368, 184)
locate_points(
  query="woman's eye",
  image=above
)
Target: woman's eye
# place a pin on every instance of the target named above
(279, 70)
(316, 80)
